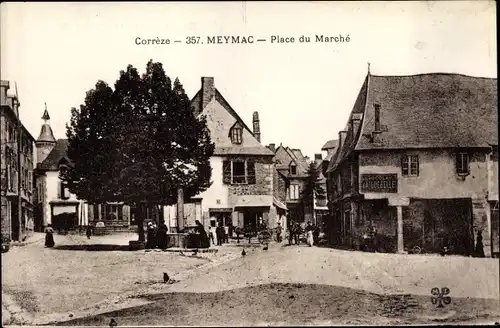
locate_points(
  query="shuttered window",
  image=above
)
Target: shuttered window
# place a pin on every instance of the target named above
(226, 172)
(239, 172)
(251, 179)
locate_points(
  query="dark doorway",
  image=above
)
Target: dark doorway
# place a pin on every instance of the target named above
(434, 223)
(495, 229)
(38, 218)
(64, 221)
(221, 219)
(14, 215)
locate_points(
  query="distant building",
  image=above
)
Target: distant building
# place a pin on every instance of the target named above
(418, 160)
(242, 191)
(320, 205)
(330, 147)
(293, 165)
(54, 203)
(17, 157)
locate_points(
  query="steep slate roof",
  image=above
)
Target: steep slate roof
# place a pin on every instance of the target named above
(435, 110)
(330, 144)
(51, 162)
(349, 143)
(432, 111)
(195, 104)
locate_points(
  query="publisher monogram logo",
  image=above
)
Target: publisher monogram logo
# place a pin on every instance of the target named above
(440, 297)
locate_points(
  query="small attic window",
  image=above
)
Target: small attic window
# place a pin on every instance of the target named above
(236, 134)
(293, 169)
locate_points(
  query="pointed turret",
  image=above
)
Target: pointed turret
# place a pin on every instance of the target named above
(46, 139)
(46, 134)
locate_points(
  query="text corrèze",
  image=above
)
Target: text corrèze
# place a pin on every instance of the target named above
(250, 39)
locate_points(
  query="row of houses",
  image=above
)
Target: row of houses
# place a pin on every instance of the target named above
(252, 183)
(417, 161)
(16, 170)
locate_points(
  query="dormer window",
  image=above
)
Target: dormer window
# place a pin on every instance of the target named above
(293, 169)
(236, 134)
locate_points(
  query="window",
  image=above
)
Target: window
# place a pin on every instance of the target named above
(293, 169)
(462, 163)
(294, 191)
(110, 212)
(236, 134)
(64, 192)
(410, 166)
(23, 179)
(239, 171)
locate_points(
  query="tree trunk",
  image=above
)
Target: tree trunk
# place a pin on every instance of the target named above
(180, 209)
(140, 222)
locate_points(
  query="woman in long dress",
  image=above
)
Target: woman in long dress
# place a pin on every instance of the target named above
(151, 236)
(161, 235)
(49, 236)
(204, 241)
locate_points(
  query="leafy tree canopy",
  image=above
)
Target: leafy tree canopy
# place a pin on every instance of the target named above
(137, 143)
(312, 186)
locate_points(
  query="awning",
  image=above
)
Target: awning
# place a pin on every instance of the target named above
(279, 204)
(253, 201)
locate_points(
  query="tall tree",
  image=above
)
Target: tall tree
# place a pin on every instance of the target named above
(312, 186)
(138, 144)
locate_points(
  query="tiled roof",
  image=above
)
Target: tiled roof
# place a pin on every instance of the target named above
(330, 144)
(51, 162)
(348, 144)
(243, 149)
(195, 104)
(431, 111)
(424, 111)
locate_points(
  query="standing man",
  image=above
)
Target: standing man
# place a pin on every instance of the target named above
(278, 232)
(219, 231)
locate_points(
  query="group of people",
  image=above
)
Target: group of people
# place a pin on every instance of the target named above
(295, 230)
(157, 236)
(220, 235)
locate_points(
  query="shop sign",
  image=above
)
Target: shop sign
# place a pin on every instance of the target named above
(383, 183)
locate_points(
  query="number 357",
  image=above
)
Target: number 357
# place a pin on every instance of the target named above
(192, 40)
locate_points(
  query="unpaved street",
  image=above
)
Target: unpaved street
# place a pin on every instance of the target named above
(284, 285)
(67, 280)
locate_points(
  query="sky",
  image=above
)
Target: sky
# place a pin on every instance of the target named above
(304, 92)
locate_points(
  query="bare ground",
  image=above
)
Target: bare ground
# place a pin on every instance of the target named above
(293, 304)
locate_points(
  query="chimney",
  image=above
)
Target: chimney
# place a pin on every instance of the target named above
(318, 157)
(377, 117)
(3, 92)
(355, 123)
(272, 147)
(342, 135)
(256, 125)
(15, 105)
(207, 91)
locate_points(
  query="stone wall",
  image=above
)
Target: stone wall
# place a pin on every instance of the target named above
(263, 180)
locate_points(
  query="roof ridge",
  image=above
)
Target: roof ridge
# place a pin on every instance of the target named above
(436, 73)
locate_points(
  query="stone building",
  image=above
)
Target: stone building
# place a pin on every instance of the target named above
(293, 165)
(320, 205)
(242, 192)
(418, 161)
(17, 157)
